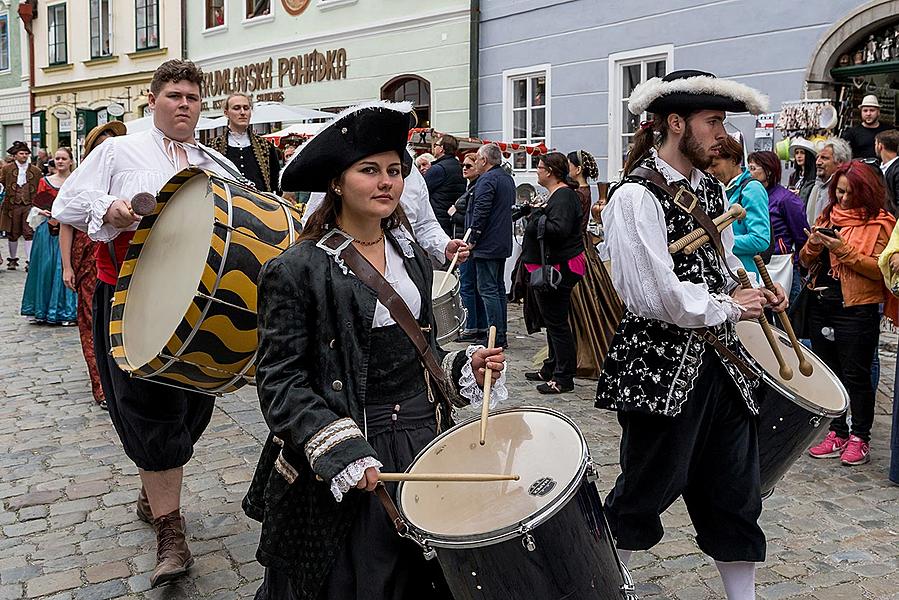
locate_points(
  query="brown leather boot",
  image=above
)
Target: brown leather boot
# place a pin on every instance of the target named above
(173, 558)
(143, 510)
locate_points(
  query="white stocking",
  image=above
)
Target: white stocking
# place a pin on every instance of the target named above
(738, 579)
(27, 249)
(13, 248)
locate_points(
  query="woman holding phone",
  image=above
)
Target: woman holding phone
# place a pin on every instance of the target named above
(847, 288)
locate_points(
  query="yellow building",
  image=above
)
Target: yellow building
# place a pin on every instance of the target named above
(94, 60)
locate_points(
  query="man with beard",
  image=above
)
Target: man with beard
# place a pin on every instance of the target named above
(861, 137)
(685, 399)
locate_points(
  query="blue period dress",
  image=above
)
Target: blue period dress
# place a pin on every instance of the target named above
(46, 298)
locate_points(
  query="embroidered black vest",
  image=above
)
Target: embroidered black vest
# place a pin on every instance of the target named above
(651, 365)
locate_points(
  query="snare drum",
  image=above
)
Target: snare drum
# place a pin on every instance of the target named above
(544, 536)
(791, 413)
(184, 311)
(448, 310)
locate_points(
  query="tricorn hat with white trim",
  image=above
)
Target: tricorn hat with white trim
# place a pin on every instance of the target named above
(357, 132)
(688, 90)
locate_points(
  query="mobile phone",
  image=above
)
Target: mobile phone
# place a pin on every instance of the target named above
(828, 231)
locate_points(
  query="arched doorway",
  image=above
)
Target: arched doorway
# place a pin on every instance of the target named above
(414, 89)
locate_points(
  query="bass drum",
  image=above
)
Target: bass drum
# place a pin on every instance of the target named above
(544, 536)
(184, 311)
(792, 414)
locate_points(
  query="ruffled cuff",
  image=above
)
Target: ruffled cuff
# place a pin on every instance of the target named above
(350, 476)
(97, 230)
(730, 306)
(470, 390)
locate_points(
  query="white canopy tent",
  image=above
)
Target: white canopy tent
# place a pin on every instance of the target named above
(145, 123)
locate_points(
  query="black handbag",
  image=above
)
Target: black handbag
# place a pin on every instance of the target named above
(547, 277)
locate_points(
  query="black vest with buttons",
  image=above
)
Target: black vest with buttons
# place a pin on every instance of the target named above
(651, 365)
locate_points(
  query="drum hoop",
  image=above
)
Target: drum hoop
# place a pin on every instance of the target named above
(448, 295)
(521, 527)
(792, 396)
(218, 277)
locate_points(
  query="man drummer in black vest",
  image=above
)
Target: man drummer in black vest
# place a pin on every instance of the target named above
(685, 398)
(157, 424)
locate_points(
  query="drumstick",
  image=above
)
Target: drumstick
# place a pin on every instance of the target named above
(805, 365)
(704, 239)
(786, 373)
(488, 377)
(723, 220)
(446, 477)
(143, 204)
(452, 264)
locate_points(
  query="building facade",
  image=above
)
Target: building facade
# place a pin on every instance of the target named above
(94, 60)
(15, 110)
(330, 54)
(561, 71)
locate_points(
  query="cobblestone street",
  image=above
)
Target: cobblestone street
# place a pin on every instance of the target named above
(68, 529)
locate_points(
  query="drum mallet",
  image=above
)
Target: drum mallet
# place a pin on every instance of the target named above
(453, 263)
(786, 373)
(805, 365)
(488, 379)
(143, 204)
(696, 238)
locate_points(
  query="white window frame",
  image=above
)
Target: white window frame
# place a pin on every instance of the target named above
(328, 4)
(65, 11)
(509, 77)
(7, 49)
(261, 18)
(109, 30)
(215, 28)
(617, 62)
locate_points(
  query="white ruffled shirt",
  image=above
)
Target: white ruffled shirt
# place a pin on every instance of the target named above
(238, 140)
(22, 177)
(120, 168)
(416, 204)
(642, 269)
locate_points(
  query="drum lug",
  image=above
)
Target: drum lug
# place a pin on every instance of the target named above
(815, 421)
(592, 472)
(628, 589)
(429, 552)
(527, 540)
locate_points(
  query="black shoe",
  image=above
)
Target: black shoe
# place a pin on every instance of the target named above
(473, 336)
(535, 376)
(554, 387)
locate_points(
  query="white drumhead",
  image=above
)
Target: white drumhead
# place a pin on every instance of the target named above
(168, 271)
(532, 443)
(451, 282)
(822, 389)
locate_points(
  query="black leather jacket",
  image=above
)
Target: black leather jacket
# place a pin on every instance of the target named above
(314, 347)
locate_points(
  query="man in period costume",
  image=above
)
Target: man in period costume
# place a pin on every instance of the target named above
(19, 179)
(256, 158)
(685, 400)
(157, 424)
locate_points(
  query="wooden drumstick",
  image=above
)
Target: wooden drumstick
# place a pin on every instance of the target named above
(704, 239)
(446, 477)
(805, 365)
(488, 379)
(723, 220)
(786, 373)
(452, 263)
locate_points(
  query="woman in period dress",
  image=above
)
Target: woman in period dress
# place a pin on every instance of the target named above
(46, 298)
(338, 405)
(79, 266)
(596, 308)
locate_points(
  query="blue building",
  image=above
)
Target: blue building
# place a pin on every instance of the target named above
(560, 71)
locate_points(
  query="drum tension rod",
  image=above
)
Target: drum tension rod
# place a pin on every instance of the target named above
(219, 301)
(244, 233)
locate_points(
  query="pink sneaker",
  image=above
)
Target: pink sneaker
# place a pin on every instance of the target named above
(856, 452)
(831, 447)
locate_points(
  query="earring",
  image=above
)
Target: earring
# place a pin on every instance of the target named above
(337, 191)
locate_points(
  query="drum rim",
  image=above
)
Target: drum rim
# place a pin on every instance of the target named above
(448, 295)
(792, 396)
(496, 536)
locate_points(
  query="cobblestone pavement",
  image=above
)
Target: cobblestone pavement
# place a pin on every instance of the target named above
(67, 492)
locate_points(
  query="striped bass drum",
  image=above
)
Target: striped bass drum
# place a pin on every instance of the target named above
(184, 310)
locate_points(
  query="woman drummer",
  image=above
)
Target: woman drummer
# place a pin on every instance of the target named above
(340, 384)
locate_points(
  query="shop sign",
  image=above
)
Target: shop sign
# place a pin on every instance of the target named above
(261, 79)
(61, 113)
(65, 125)
(115, 109)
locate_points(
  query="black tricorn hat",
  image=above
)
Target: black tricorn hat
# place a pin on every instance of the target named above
(689, 90)
(18, 146)
(357, 132)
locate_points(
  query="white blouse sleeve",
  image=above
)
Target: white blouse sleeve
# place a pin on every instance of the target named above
(643, 271)
(84, 198)
(417, 205)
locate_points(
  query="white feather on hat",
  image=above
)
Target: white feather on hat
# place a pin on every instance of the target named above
(648, 91)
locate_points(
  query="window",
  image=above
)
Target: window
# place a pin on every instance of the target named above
(101, 28)
(413, 89)
(56, 34)
(257, 8)
(4, 42)
(626, 71)
(215, 13)
(146, 17)
(526, 112)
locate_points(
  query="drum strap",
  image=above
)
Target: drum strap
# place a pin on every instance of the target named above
(712, 340)
(392, 511)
